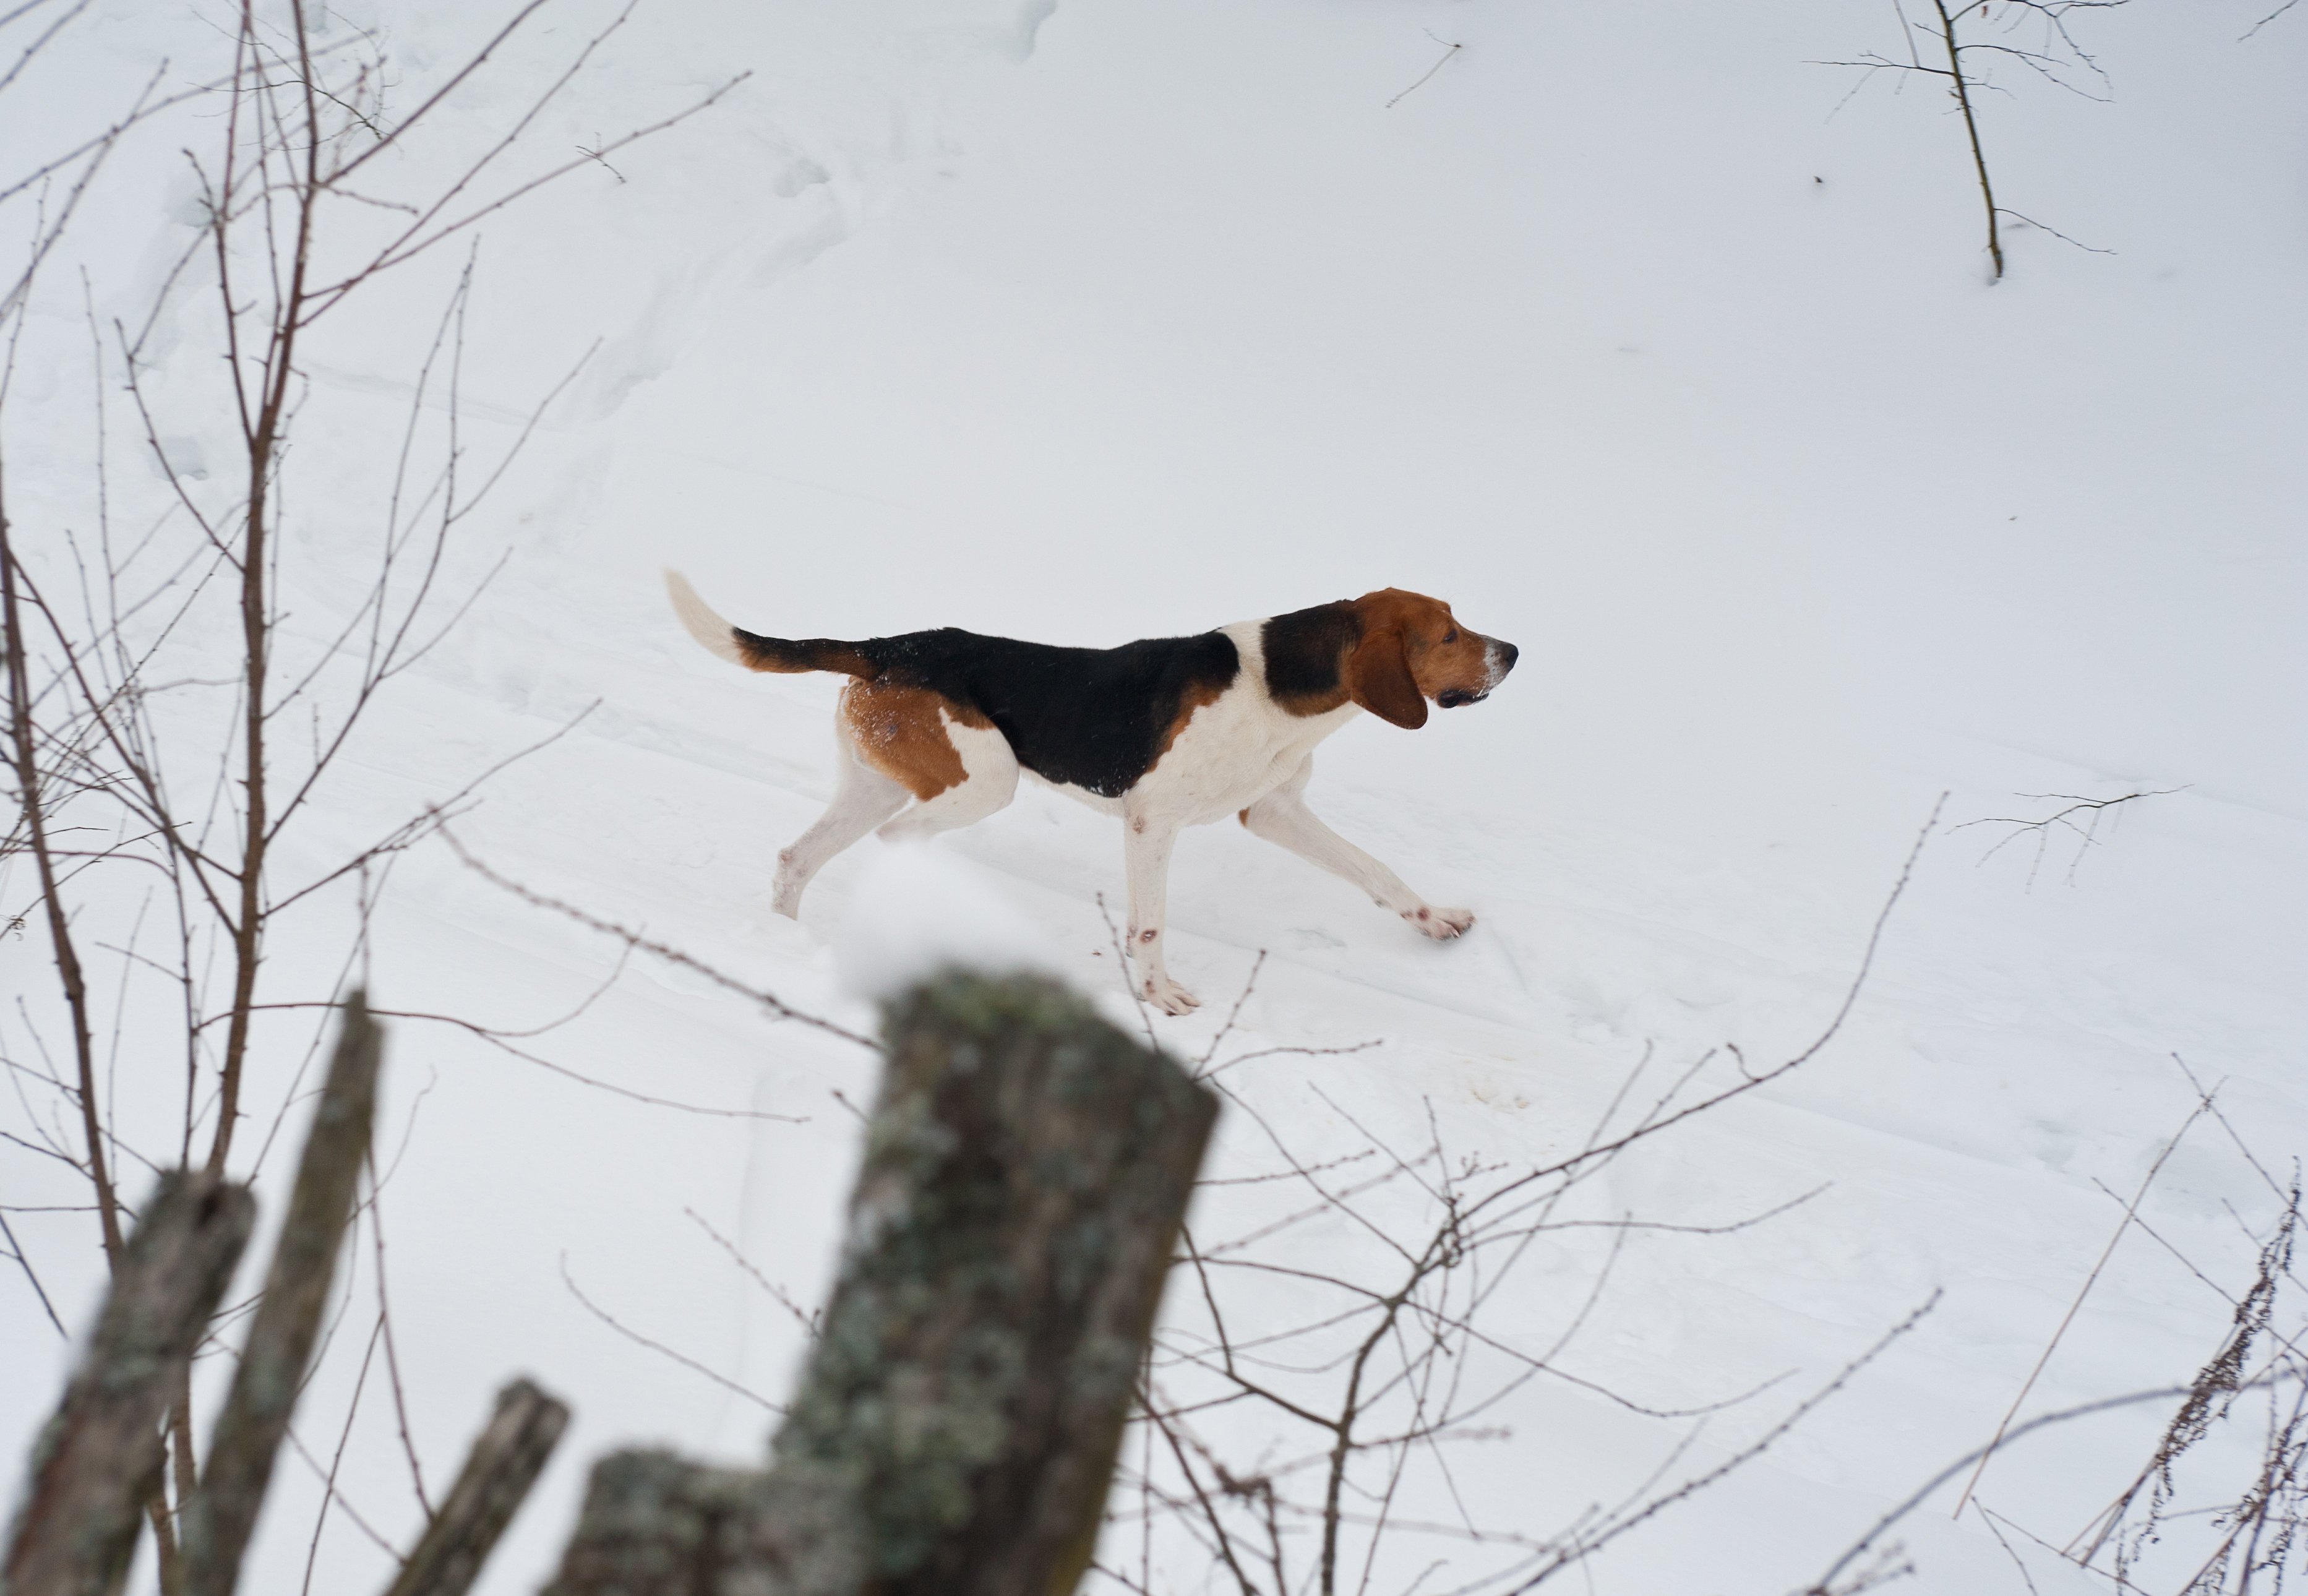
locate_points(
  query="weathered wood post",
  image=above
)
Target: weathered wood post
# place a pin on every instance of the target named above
(98, 1459)
(1026, 1169)
(504, 1461)
(99, 1462)
(222, 1512)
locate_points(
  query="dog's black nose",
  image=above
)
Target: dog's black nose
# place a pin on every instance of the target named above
(1507, 656)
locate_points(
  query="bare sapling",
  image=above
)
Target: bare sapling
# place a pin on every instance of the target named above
(194, 655)
(1959, 43)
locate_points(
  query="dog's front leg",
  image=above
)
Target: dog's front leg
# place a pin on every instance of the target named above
(1145, 843)
(1283, 818)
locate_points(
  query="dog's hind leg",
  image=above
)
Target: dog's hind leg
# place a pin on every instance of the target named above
(989, 782)
(864, 799)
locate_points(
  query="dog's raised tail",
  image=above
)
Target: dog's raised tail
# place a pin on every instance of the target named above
(754, 652)
(704, 624)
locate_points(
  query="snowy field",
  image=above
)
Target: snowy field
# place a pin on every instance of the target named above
(1091, 321)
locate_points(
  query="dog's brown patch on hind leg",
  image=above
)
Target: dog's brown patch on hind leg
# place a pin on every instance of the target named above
(900, 731)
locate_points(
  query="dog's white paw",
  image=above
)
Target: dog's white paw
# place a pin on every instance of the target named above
(1168, 995)
(1441, 924)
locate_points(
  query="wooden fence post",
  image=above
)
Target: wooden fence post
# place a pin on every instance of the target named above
(505, 1462)
(98, 1461)
(1026, 1169)
(222, 1512)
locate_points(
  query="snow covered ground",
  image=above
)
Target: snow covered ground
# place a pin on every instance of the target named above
(1093, 321)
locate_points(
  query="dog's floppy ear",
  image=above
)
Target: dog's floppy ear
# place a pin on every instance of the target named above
(1379, 679)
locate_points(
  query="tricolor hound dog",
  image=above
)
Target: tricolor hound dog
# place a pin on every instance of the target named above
(1168, 732)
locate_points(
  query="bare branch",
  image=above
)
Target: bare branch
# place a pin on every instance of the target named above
(635, 1336)
(776, 1006)
(2085, 831)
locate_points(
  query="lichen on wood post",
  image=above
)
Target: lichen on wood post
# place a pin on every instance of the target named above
(1026, 1169)
(98, 1459)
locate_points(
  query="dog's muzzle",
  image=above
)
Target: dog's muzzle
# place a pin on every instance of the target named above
(1501, 660)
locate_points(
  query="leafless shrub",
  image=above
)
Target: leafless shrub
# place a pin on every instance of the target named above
(2256, 1530)
(170, 734)
(1288, 1458)
(2218, 1506)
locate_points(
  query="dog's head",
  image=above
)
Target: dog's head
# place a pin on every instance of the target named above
(1411, 649)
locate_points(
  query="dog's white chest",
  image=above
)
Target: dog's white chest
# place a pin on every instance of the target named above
(1233, 752)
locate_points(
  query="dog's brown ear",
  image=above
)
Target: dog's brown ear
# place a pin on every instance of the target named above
(1379, 679)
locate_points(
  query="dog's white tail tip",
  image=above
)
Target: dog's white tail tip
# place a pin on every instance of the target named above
(700, 619)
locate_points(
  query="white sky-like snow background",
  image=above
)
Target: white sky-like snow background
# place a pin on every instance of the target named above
(1120, 319)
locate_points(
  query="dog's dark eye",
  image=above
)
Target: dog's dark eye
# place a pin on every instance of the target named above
(1452, 636)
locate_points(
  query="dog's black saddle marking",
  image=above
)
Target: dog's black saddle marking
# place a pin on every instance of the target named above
(1092, 718)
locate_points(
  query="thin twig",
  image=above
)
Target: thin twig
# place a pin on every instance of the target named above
(16, 1251)
(1449, 50)
(2076, 1306)
(776, 1006)
(724, 1381)
(778, 1294)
